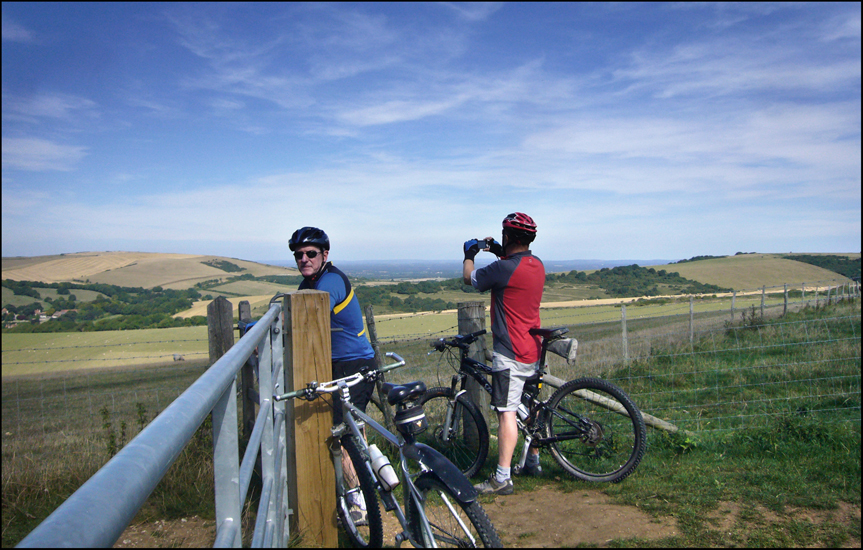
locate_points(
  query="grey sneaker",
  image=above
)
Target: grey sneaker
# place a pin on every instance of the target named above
(493, 486)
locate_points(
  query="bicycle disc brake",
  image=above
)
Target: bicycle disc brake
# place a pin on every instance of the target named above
(594, 434)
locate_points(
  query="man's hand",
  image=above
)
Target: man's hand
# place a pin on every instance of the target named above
(494, 247)
(471, 248)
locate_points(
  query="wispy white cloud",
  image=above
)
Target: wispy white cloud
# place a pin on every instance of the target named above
(39, 155)
(419, 126)
(58, 106)
(13, 32)
(474, 11)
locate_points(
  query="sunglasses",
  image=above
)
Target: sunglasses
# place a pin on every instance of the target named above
(310, 254)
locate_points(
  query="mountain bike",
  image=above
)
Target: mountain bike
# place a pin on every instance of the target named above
(441, 507)
(593, 429)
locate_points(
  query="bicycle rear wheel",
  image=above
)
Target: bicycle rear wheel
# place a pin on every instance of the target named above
(453, 524)
(464, 441)
(597, 432)
(364, 530)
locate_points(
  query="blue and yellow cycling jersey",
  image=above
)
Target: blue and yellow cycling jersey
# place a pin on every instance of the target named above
(350, 343)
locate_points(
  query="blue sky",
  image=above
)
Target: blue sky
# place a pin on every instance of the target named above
(625, 130)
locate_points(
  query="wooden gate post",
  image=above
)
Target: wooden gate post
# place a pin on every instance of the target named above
(220, 327)
(471, 318)
(311, 478)
(247, 378)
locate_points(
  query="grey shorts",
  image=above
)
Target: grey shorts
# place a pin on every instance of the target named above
(507, 381)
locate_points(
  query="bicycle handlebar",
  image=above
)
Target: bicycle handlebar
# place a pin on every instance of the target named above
(313, 388)
(460, 341)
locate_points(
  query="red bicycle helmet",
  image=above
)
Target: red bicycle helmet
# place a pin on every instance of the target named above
(520, 226)
(520, 222)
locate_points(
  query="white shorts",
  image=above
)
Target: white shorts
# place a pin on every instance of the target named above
(507, 381)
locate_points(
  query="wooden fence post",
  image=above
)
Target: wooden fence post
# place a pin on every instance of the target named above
(624, 333)
(691, 321)
(785, 303)
(247, 381)
(733, 299)
(379, 360)
(220, 327)
(763, 294)
(471, 318)
(311, 478)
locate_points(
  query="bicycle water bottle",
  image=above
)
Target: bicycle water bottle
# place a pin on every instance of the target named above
(383, 469)
(523, 413)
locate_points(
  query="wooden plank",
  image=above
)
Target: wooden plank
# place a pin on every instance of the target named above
(311, 478)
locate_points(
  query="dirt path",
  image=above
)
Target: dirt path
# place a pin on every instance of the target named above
(549, 518)
(543, 518)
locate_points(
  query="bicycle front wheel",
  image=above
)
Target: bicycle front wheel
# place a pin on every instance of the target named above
(596, 432)
(453, 524)
(456, 429)
(364, 528)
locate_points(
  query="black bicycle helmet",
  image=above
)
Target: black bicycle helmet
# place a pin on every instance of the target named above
(309, 235)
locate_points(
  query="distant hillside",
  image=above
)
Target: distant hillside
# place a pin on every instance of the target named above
(751, 271)
(134, 269)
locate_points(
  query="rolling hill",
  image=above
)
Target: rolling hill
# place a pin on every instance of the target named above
(752, 271)
(133, 269)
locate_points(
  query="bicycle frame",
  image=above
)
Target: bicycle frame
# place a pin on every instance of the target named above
(429, 460)
(469, 367)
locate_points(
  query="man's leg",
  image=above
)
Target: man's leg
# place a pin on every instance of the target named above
(507, 438)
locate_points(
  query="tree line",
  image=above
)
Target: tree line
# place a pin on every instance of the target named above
(115, 308)
(842, 265)
(124, 308)
(632, 280)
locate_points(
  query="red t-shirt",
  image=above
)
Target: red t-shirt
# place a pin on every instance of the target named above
(516, 284)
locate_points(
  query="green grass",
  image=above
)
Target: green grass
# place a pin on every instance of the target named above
(752, 271)
(46, 353)
(790, 463)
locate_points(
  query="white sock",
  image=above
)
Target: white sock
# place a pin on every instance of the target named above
(502, 474)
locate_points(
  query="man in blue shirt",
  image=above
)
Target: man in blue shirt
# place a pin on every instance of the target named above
(351, 348)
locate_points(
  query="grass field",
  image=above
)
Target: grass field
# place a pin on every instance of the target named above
(752, 271)
(789, 467)
(45, 353)
(53, 352)
(130, 269)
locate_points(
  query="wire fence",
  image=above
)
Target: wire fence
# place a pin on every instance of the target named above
(703, 363)
(709, 363)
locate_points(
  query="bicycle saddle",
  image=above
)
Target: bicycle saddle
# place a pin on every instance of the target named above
(549, 333)
(406, 392)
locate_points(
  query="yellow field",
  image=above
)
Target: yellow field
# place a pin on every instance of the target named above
(749, 271)
(25, 354)
(130, 269)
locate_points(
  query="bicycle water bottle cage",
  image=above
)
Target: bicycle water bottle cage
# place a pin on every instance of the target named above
(408, 392)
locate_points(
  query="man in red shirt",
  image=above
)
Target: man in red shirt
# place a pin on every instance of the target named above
(516, 281)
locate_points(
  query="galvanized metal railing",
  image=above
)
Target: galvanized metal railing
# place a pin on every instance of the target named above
(98, 512)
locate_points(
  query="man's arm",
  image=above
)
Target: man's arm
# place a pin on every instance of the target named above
(467, 269)
(471, 249)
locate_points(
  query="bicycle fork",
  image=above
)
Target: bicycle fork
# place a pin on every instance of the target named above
(452, 417)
